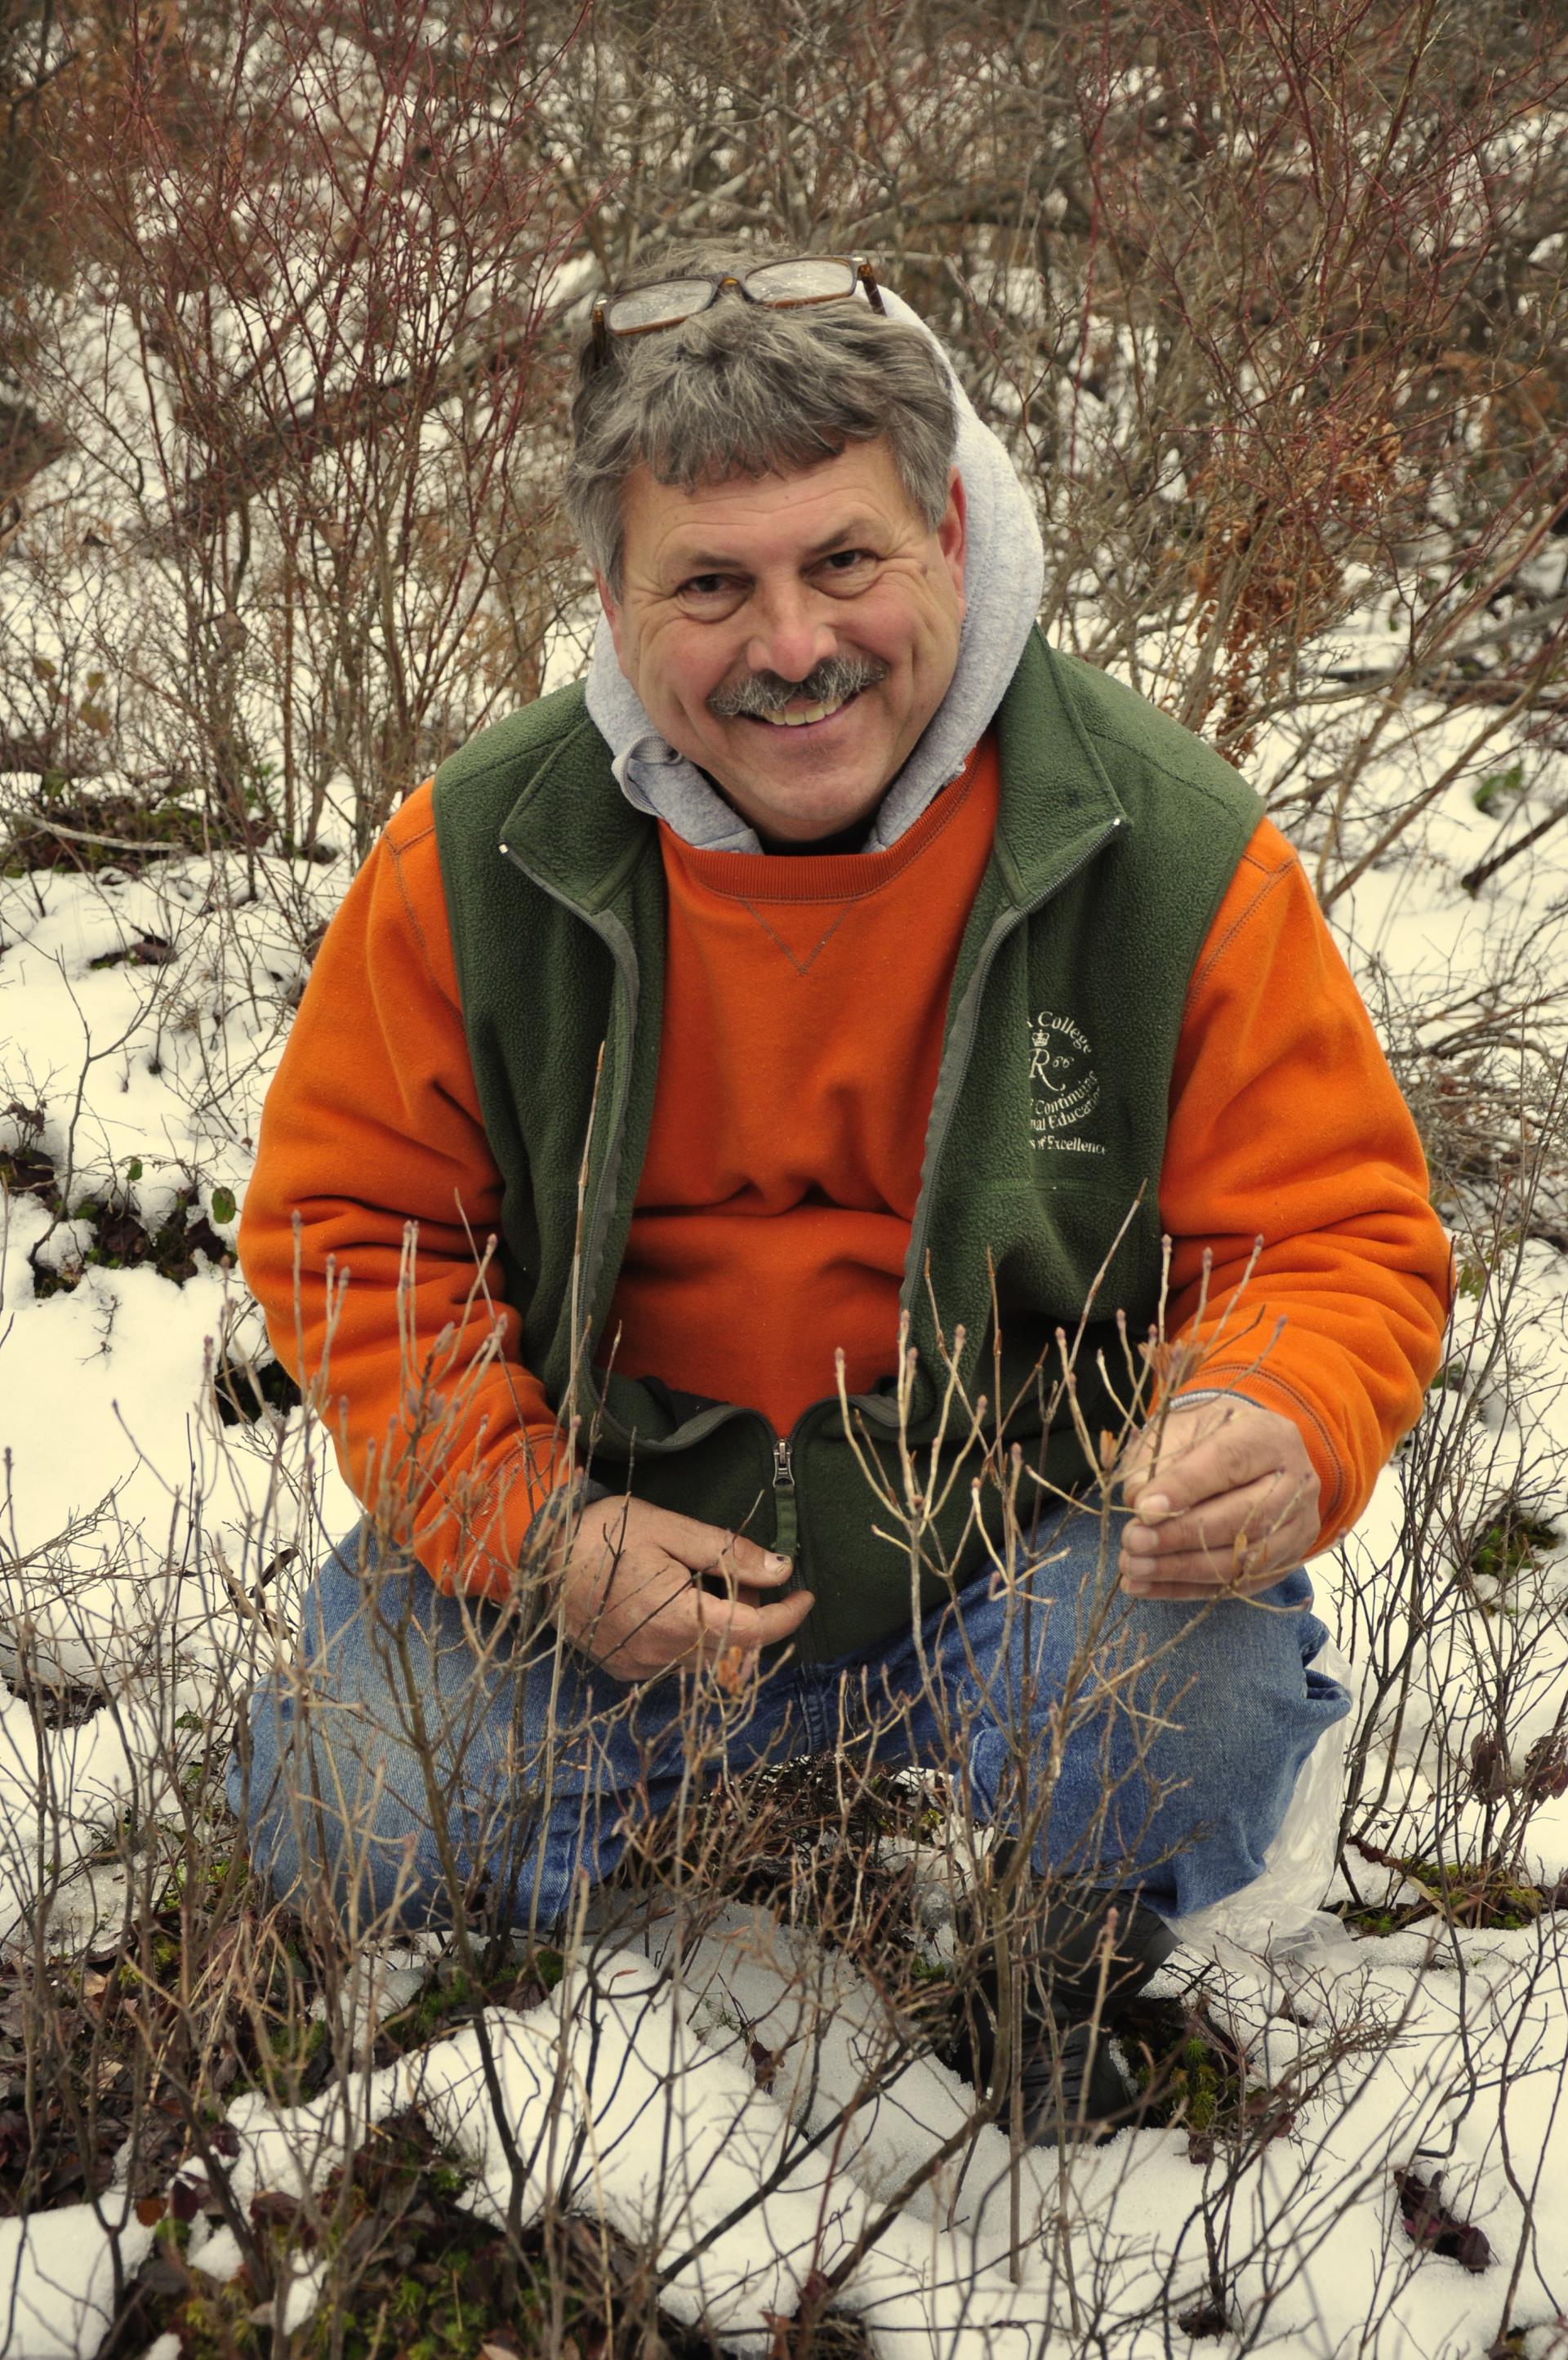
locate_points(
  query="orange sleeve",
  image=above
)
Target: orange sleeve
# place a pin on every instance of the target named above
(371, 1133)
(1287, 1125)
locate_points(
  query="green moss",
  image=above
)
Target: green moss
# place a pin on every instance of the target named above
(1465, 1895)
(441, 2000)
(410, 2274)
(1193, 2078)
(211, 2322)
(294, 2042)
(1510, 1544)
(1369, 1921)
(1493, 793)
(454, 1997)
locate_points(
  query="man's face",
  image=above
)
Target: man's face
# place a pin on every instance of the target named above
(748, 608)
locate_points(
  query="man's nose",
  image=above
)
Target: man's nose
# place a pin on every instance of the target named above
(790, 634)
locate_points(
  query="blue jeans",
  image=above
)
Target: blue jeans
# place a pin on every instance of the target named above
(423, 1747)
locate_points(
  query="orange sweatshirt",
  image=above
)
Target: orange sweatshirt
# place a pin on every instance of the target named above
(771, 1218)
(774, 1209)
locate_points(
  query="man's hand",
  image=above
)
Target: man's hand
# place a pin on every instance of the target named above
(1229, 1504)
(643, 1590)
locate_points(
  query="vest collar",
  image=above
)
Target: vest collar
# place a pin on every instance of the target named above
(573, 830)
(1058, 802)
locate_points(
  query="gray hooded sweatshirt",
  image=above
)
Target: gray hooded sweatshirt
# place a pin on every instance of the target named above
(1003, 577)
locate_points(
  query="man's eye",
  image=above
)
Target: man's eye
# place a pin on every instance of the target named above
(706, 585)
(847, 564)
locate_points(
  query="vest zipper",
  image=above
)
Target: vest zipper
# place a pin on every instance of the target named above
(875, 1407)
(786, 1527)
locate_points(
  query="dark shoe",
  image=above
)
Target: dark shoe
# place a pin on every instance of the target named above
(1069, 2083)
(1071, 2087)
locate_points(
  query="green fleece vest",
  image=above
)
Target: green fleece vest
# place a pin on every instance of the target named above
(1117, 835)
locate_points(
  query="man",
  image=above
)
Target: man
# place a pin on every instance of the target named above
(841, 956)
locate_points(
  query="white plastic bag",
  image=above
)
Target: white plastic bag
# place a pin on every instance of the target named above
(1278, 1918)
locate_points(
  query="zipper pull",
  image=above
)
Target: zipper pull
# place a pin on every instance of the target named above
(785, 1526)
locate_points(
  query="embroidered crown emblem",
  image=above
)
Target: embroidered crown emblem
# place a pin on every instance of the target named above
(1064, 1084)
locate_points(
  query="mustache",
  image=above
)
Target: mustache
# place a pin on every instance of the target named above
(762, 693)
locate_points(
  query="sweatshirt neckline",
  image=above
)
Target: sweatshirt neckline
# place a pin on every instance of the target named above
(826, 876)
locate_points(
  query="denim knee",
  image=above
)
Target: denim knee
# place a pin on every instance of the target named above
(536, 1755)
(369, 1776)
(1185, 1725)
(1238, 1708)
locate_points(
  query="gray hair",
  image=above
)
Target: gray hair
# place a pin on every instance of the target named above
(743, 390)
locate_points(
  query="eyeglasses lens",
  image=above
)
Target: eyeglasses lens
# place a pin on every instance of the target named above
(813, 278)
(659, 306)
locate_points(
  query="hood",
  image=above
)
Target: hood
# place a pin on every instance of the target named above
(1004, 579)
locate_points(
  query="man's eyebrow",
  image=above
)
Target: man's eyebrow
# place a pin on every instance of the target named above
(706, 561)
(858, 529)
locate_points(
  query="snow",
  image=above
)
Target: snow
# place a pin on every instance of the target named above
(58, 2277)
(218, 2257)
(162, 1066)
(138, 1527)
(630, 2094)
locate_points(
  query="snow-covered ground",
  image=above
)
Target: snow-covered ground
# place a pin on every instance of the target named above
(630, 2095)
(138, 1525)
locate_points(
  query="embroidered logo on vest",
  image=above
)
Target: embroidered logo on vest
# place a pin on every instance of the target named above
(1064, 1085)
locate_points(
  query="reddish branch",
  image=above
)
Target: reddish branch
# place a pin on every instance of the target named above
(352, 415)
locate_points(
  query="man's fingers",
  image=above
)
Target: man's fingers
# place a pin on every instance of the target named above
(615, 1619)
(711, 1549)
(737, 1575)
(1223, 1517)
(1202, 1592)
(1191, 1468)
(755, 1564)
(1211, 1570)
(657, 1615)
(1167, 1445)
(1257, 1511)
(1225, 1499)
(1256, 1555)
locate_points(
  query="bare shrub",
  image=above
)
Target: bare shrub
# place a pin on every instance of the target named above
(813, 1938)
(307, 530)
(1270, 308)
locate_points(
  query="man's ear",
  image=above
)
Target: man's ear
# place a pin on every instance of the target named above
(952, 532)
(611, 613)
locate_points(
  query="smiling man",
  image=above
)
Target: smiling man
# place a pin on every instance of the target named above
(839, 975)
